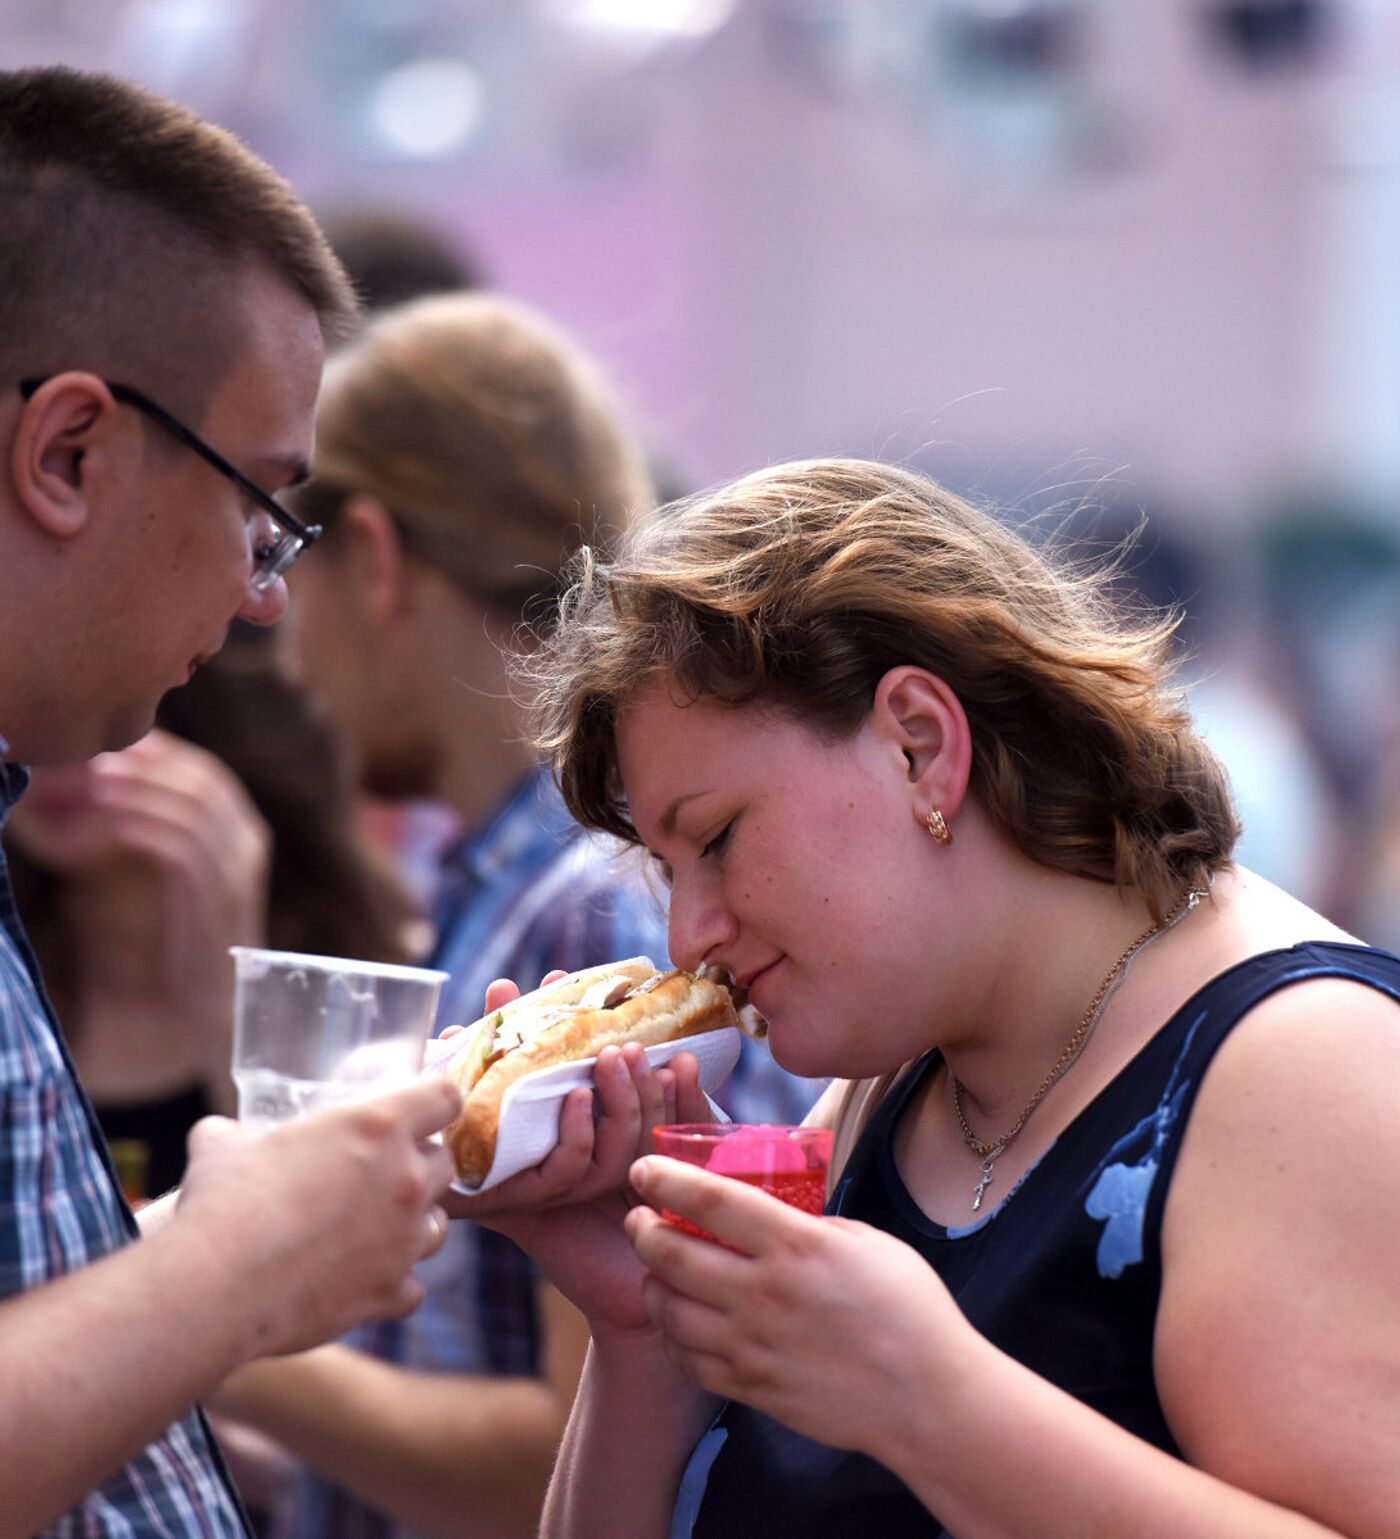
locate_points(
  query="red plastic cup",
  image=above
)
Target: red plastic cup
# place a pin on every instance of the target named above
(789, 1163)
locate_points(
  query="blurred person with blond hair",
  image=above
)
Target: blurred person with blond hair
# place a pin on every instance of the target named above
(465, 448)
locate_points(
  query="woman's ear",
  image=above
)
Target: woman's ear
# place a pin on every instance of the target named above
(923, 721)
(372, 554)
(65, 441)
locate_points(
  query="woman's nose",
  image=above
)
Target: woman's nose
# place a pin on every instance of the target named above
(701, 924)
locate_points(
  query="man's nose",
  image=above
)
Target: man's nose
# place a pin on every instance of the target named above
(264, 606)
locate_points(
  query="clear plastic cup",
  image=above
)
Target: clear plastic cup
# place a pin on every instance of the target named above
(789, 1163)
(311, 1031)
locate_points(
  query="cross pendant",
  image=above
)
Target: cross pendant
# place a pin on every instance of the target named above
(986, 1180)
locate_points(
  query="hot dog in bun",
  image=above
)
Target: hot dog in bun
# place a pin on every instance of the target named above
(571, 1019)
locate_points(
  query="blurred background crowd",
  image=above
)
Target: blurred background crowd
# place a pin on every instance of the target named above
(1109, 265)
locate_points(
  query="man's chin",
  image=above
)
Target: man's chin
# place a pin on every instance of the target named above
(399, 777)
(80, 741)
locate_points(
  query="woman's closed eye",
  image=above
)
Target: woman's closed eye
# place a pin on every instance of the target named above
(717, 844)
(714, 846)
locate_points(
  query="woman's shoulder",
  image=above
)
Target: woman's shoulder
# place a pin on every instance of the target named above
(1267, 1001)
(1258, 916)
(1309, 1049)
(1326, 1007)
(1251, 944)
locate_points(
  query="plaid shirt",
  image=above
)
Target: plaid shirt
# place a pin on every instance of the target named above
(61, 1208)
(526, 892)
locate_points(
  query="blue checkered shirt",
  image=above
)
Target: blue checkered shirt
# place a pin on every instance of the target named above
(526, 892)
(61, 1208)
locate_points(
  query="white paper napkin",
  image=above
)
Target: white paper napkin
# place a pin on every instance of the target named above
(530, 1110)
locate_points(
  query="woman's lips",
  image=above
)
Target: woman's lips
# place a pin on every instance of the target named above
(758, 981)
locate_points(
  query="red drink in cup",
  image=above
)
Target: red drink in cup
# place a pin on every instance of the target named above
(789, 1163)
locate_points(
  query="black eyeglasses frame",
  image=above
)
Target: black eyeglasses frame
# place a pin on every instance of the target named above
(270, 561)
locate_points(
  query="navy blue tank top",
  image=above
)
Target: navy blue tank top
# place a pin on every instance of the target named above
(1063, 1275)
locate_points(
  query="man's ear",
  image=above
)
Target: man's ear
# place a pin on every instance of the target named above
(923, 721)
(373, 552)
(66, 438)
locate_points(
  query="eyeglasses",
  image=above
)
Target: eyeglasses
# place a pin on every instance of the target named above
(269, 561)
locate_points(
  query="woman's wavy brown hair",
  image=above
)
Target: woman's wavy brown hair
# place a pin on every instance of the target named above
(799, 587)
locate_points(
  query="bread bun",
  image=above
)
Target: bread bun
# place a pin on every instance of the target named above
(571, 1019)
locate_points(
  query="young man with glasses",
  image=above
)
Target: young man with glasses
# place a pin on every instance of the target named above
(163, 304)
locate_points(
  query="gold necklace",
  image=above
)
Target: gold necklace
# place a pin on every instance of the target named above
(990, 1153)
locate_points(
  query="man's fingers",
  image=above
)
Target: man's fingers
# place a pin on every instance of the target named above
(407, 1296)
(212, 1130)
(442, 1169)
(427, 1105)
(435, 1227)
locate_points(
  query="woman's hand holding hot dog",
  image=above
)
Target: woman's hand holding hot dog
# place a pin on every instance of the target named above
(568, 1211)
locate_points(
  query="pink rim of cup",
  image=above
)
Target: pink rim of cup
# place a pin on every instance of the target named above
(789, 1163)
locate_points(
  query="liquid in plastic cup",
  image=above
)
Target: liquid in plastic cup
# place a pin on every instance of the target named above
(311, 1031)
(789, 1163)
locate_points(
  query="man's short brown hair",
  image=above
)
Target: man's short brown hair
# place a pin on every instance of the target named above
(128, 222)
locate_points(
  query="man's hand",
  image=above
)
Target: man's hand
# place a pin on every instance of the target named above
(317, 1223)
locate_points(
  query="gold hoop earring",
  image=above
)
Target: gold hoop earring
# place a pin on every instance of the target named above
(937, 825)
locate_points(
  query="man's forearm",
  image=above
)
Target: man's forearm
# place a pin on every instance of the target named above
(279, 1241)
(97, 1364)
(156, 1214)
(454, 1455)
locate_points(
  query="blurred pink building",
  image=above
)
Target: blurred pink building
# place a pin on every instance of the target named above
(804, 226)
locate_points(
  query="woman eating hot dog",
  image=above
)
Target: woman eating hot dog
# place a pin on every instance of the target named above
(1112, 1245)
